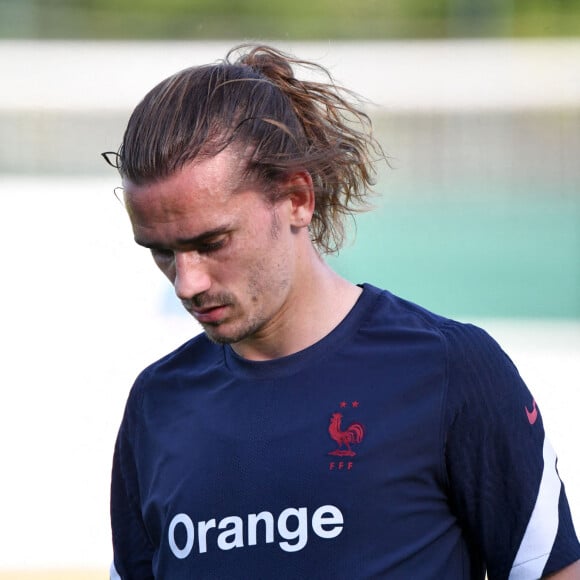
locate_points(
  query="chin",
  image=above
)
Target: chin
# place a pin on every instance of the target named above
(220, 335)
(219, 339)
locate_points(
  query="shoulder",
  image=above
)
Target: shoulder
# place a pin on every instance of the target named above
(468, 347)
(460, 339)
(473, 363)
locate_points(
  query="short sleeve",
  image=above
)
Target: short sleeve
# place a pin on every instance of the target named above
(132, 548)
(502, 471)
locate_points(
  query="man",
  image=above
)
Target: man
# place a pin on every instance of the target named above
(317, 429)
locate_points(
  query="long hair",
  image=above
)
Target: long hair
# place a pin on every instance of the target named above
(252, 101)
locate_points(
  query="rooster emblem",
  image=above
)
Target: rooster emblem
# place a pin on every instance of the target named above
(353, 434)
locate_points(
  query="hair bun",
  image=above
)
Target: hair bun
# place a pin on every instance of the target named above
(270, 63)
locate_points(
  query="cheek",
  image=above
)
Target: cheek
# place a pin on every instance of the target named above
(262, 258)
(270, 276)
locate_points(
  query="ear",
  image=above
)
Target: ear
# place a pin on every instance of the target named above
(300, 195)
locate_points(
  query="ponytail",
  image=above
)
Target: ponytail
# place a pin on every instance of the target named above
(253, 100)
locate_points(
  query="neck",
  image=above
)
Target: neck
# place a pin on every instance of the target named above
(317, 303)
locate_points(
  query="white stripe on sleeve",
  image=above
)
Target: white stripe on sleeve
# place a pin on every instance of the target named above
(113, 574)
(542, 528)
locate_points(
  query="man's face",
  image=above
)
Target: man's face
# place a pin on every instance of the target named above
(227, 250)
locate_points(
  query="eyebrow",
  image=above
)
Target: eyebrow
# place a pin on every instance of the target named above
(193, 241)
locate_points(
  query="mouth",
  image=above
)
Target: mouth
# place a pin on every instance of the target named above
(208, 315)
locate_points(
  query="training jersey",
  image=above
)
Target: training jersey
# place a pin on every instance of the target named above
(402, 445)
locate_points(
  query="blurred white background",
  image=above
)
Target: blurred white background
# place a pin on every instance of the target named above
(83, 310)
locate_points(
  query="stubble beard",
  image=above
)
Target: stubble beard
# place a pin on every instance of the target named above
(250, 329)
(248, 324)
(244, 325)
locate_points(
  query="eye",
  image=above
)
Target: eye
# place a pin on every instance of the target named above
(160, 254)
(212, 244)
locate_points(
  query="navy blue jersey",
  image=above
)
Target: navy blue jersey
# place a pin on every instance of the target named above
(402, 445)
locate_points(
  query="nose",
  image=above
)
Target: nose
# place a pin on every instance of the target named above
(191, 275)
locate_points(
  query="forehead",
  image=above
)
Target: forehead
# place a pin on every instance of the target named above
(201, 183)
(201, 196)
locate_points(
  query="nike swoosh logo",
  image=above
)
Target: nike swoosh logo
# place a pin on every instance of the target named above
(533, 414)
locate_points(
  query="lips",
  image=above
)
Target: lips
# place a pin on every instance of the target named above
(208, 315)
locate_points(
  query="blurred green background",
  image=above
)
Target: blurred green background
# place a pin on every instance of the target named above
(479, 214)
(296, 19)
